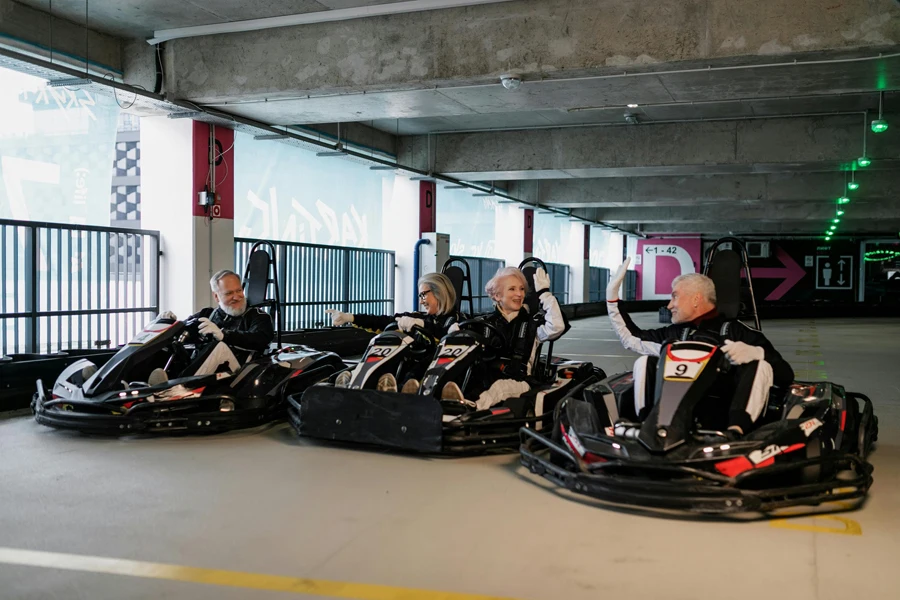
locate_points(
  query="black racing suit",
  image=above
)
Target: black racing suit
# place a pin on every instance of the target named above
(522, 336)
(435, 325)
(251, 332)
(709, 327)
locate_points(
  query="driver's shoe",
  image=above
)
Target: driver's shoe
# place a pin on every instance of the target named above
(451, 391)
(387, 383)
(343, 379)
(410, 387)
(157, 376)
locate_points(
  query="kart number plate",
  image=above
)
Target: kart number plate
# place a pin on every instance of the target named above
(148, 334)
(685, 365)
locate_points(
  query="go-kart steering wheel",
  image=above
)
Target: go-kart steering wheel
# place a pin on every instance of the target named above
(422, 341)
(496, 340)
(192, 329)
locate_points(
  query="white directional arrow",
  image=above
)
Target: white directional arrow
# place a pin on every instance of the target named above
(842, 262)
(841, 280)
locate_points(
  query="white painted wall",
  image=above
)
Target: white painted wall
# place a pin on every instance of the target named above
(509, 231)
(166, 205)
(400, 230)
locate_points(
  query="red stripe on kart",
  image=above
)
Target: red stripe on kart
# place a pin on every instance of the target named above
(593, 458)
(444, 361)
(766, 463)
(679, 359)
(793, 447)
(500, 411)
(734, 466)
(373, 359)
(843, 419)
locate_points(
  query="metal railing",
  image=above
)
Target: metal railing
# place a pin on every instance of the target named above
(482, 269)
(68, 287)
(599, 280)
(559, 281)
(313, 278)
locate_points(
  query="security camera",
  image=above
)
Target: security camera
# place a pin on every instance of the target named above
(510, 82)
(631, 119)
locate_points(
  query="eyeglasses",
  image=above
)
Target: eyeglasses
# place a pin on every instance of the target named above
(423, 295)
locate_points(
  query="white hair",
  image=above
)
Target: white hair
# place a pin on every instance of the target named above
(698, 283)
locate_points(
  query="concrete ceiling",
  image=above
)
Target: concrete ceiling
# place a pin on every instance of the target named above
(757, 130)
(140, 18)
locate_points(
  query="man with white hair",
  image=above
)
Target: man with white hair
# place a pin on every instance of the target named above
(757, 364)
(236, 329)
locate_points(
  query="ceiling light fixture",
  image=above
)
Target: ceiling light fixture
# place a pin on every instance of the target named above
(511, 82)
(382, 168)
(836, 220)
(69, 82)
(879, 125)
(864, 160)
(840, 213)
(853, 185)
(833, 227)
(843, 200)
(632, 105)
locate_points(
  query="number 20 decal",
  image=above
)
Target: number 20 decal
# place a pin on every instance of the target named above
(452, 351)
(380, 351)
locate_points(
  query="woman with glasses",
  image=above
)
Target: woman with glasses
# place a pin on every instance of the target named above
(437, 298)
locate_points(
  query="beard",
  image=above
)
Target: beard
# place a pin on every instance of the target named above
(234, 311)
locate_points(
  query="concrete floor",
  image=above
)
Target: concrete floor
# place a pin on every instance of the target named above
(265, 502)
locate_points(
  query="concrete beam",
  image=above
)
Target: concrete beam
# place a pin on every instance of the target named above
(888, 228)
(821, 212)
(733, 190)
(537, 39)
(743, 146)
(34, 31)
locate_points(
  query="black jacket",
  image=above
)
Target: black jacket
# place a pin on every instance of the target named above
(709, 325)
(252, 330)
(435, 325)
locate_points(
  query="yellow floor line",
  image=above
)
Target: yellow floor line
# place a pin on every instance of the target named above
(256, 581)
(848, 526)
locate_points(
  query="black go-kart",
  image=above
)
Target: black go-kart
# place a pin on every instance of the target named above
(423, 422)
(123, 398)
(809, 447)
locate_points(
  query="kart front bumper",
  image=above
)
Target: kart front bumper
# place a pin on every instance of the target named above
(658, 484)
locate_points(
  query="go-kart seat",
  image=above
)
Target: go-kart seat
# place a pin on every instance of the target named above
(528, 267)
(734, 293)
(457, 270)
(260, 272)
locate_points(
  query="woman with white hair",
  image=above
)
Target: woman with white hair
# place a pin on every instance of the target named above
(437, 297)
(523, 332)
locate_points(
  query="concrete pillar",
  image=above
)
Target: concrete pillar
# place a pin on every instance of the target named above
(400, 231)
(196, 241)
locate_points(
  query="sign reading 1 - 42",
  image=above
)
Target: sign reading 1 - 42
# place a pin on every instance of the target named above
(834, 272)
(658, 250)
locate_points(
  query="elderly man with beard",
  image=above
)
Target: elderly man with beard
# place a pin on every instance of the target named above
(237, 330)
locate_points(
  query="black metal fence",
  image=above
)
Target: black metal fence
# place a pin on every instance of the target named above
(314, 278)
(630, 285)
(482, 269)
(599, 280)
(73, 286)
(559, 281)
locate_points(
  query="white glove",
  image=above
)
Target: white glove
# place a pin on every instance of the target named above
(739, 353)
(453, 328)
(167, 315)
(407, 323)
(541, 280)
(612, 290)
(339, 318)
(207, 327)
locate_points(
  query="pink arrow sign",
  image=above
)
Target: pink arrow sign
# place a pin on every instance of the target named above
(791, 272)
